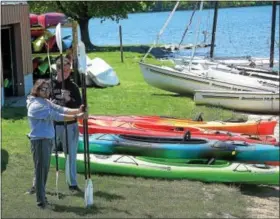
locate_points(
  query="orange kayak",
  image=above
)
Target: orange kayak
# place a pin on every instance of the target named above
(262, 127)
(128, 128)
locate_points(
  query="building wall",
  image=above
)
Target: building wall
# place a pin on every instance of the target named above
(17, 15)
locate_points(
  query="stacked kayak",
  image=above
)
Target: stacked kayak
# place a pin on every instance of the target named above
(51, 19)
(120, 127)
(176, 148)
(262, 127)
(199, 169)
(33, 18)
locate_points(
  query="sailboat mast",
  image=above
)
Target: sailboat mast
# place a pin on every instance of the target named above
(214, 30)
(197, 34)
(274, 4)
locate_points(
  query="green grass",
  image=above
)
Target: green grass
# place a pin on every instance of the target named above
(115, 196)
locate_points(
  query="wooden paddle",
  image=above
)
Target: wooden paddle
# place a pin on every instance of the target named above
(59, 45)
(82, 65)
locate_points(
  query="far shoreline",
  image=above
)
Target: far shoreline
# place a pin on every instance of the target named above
(220, 8)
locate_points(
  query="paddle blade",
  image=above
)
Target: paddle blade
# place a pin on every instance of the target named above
(82, 58)
(89, 193)
(67, 170)
(58, 37)
(56, 183)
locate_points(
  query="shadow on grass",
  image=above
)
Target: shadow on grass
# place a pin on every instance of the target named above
(60, 195)
(158, 52)
(4, 160)
(260, 191)
(105, 195)
(82, 211)
(108, 196)
(63, 195)
(174, 95)
(13, 113)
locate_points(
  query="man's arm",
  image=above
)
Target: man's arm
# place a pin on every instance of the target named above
(76, 94)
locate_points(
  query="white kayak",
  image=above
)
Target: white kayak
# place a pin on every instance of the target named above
(258, 102)
(100, 74)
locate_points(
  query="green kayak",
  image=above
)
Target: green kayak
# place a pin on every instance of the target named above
(196, 169)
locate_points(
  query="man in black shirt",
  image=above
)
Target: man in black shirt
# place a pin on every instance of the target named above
(71, 98)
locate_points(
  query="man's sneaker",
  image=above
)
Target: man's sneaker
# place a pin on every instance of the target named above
(75, 189)
(30, 191)
(46, 205)
(41, 205)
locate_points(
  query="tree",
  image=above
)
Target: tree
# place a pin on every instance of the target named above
(83, 11)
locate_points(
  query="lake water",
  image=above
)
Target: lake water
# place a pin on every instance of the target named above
(240, 31)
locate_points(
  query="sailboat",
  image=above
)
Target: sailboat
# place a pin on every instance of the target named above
(187, 80)
(251, 66)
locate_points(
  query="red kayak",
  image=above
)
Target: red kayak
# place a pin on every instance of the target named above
(158, 123)
(33, 19)
(37, 31)
(120, 127)
(51, 19)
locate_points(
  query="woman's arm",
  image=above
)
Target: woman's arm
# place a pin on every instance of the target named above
(72, 111)
(56, 116)
(66, 110)
(73, 117)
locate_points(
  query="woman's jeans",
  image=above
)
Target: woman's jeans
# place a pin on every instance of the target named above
(41, 151)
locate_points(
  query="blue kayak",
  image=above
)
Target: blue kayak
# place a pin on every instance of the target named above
(176, 148)
(157, 147)
(257, 153)
(67, 42)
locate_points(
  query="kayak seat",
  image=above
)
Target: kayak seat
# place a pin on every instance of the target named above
(163, 140)
(238, 120)
(224, 145)
(211, 161)
(179, 129)
(198, 117)
(187, 136)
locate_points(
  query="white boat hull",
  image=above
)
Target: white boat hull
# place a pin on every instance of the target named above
(238, 61)
(100, 73)
(186, 83)
(258, 102)
(204, 64)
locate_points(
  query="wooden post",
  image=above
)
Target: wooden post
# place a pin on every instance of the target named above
(274, 5)
(121, 47)
(74, 49)
(214, 30)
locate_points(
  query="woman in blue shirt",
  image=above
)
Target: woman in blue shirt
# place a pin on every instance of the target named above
(41, 114)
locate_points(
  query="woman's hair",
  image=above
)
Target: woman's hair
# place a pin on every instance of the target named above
(36, 87)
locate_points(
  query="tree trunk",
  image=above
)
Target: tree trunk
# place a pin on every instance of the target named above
(85, 33)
